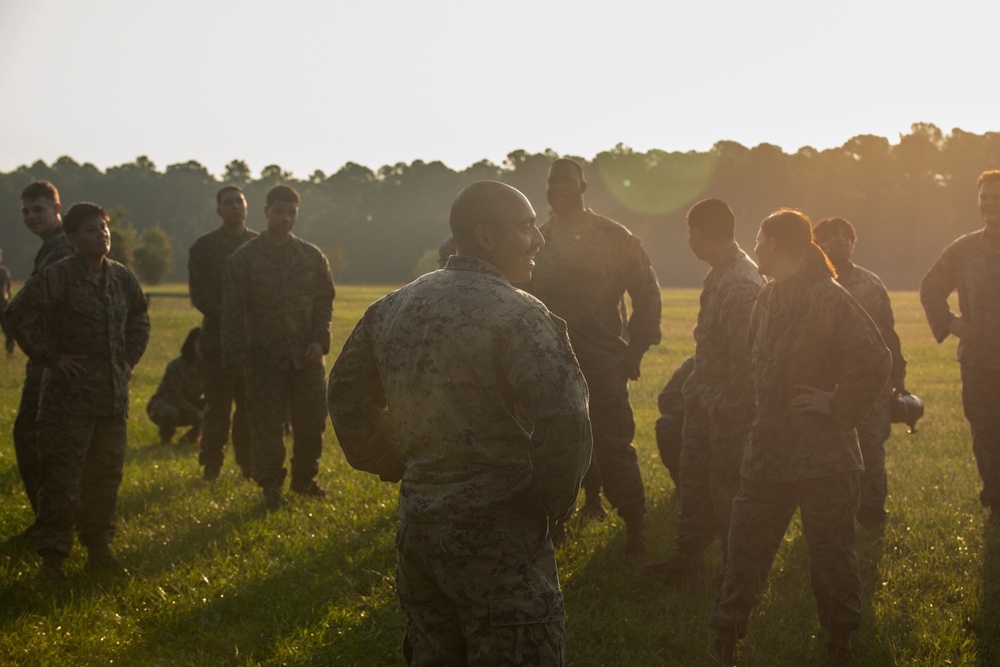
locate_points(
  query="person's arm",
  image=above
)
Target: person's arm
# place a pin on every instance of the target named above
(736, 308)
(203, 297)
(940, 281)
(887, 326)
(324, 293)
(644, 291)
(137, 325)
(864, 361)
(25, 317)
(235, 344)
(539, 364)
(359, 410)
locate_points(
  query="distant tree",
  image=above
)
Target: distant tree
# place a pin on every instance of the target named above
(152, 257)
(237, 172)
(123, 235)
(317, 177)
(272, 173)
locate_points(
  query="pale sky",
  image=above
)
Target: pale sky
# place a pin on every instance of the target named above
(313, 84)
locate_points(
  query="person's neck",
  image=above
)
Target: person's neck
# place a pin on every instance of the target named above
(570, 215)
(234, 228)
(715, 256)
(94, 264)
(993, 231)
(273, 239)
(787, 270)
(51, 232)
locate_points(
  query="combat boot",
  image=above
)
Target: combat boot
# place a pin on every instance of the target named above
(309, 488)
(211, 473)
(51, 571)
(100, 559)
(635, 531)
(592, 507)
(272, 498)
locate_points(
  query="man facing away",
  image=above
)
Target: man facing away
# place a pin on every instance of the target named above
(971, 265)
(718, 396)
(587, 265)
(206, 270)
(40, 207)
(467, 390)
(838, 237)
(276, 308)
(84, 320)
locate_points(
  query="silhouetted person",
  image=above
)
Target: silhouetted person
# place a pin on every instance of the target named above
(838, 237)
(971, 265)
(206, 269)
(467, 389)
(718, 396)
(818, 365)
(587, 265)
(9, 343)
(40, 208)
(178, 400)
(670, 423)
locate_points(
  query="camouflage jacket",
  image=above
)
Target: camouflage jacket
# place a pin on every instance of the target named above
(809, 331)
(54, 248)
(467, 389)
(721, 381)
(66, 309)
(206, 272)
(869, 291)
(971, 264)
(278, 299)
(181, 386)
(582, 274)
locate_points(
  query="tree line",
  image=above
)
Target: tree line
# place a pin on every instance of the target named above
(906, 199)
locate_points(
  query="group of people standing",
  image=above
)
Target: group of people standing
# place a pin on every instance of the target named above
(492, 389)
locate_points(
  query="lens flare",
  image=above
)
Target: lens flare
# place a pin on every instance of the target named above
(657, 182)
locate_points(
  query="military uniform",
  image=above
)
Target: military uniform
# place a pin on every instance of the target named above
(67, 310)
(803, 331)
(206, 270)
(54, 248)
(971, 264)
(868, 290)
(467, 389)
(670, 423)
(178, 399)
(279, 300)
(4, 300)
(581, 274)
(718, 404)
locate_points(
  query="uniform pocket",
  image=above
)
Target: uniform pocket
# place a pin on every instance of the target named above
(528, 629)
(469, 541)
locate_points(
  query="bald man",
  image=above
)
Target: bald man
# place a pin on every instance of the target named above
(467, 390)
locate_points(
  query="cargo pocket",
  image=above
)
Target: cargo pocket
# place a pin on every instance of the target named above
(528, 629)
(468, 540)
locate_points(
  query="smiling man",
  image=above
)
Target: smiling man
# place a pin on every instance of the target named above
(971, 265)
(276, 307)
(467, 390)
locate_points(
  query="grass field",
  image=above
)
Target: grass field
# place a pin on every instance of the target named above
(217, 581)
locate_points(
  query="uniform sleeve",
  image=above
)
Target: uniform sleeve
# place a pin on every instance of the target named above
(887, 327)
(737, 305)
(137, 325)
(324, 293)
(864, 361)
(25, 317)
(199, 285)
(644, 291)
(235, 341)
(539, 364)
(359, 410)
(940, 281)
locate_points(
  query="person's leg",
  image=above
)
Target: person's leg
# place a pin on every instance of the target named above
(872, 434)
(26, 434)
(696, 520)
(219, 385)
(981, 401)
(102, 477)
(727, 438)
(241, 429)
(267, 399)
(308, 417)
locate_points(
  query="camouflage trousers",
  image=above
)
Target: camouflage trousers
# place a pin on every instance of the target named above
(26, 433)
(480, 593)
(711, 455)
(168, 417)
(222, 390)
(613, 427)
(761, 514)
(274, 396)
(82, 458)
(981, 400)
(669, 438)
(872, 434)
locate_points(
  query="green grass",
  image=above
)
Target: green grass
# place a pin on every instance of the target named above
(217, 581)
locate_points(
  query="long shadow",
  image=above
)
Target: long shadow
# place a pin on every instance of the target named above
(985, 625)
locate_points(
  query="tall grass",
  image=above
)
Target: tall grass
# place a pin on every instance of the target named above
(215, 580)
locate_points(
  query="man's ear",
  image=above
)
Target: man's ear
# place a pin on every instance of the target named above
(57, 207)
(483, 237)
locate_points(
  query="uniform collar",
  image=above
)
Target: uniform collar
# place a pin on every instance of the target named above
(467, 263)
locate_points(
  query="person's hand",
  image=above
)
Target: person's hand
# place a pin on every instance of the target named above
(899, 387)
(811, 399)
(959, 328)
(314, 354)
(71, 365)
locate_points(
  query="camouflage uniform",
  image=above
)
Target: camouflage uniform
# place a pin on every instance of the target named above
(278, 300)
(971, 264)
(67, 310)
(718, 404)
(206, 271)
(467, 389)
(804, 331)
(178, 399)
(670, 423)
(4, 300)
(54, 248)
(581, 275)
(868, 290)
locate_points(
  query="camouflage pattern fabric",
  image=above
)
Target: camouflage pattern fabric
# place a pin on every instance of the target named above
(869, 291)
(467, 389)
(718, 400)
(810, 331)
(971, 265)
(980, 392)
(56, 247)
(82, 458)
(206, 273)
(278, 299)
(760, 516)
(178, 398)
(670, 423)
(275, 396)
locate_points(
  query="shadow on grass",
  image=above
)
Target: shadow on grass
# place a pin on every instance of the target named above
(985, 625)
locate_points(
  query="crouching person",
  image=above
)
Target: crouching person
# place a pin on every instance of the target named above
(84, 319)
(180, 398)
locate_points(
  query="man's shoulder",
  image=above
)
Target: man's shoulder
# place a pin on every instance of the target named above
(866, 276)
(307, 248)
(965, 242)
(612, 229)
(121, 272)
